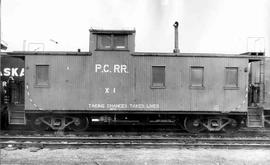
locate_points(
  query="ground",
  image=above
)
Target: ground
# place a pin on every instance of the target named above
(131, 156)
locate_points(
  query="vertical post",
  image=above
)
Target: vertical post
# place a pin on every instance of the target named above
(0, 30)
(262, 81)
(0, 67)
(176, 48)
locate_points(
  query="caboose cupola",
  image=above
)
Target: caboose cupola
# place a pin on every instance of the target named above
(112, 40)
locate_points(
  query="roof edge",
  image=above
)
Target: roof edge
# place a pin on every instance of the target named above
(220, 55)
(110, 31)
(49, 53)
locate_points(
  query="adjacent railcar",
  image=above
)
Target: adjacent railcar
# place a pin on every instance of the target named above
(114, 84)
(12, 89)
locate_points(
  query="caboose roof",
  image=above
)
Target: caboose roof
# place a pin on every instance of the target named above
(59, 53)
(220, 55)
(112, 31)
(139, 54)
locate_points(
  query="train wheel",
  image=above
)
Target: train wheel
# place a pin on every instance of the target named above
(80, 124)
(193, 125)
(38, 125)
(233, 126)
(180, 124)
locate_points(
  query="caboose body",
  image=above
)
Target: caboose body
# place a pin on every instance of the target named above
(112, 83)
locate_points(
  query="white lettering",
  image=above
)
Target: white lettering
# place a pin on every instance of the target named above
(107, 90)
(124, 69)
(106, 68)
(22, 72)
(137, 106)
(152, 106)
(96, 105)
(116, 68)
(97, 67)
(7, 72)
(4, 83)
(124, 106)
(114, 106)
(14, 72)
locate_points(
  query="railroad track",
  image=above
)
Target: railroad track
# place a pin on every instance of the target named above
(242, 134)
(176, 142)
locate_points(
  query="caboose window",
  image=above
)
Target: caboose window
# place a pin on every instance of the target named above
(158, 76)
(196, 76)
(231, 77)
(42, 75)
(120, 41)
(112, 42)
(104, 42)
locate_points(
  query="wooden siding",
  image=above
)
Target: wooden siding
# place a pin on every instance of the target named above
(68, 82)
(178, 95)
(77, 84)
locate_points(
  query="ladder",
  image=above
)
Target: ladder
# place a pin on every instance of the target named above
(16, 114)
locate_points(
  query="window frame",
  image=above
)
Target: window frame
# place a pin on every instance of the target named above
(191, 86)
(125, 42)
(99, 37)
(112, 44)
(231, 87)
(152, 77)
(36, 76)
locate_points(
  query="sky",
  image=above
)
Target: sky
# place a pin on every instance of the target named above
(205, 26)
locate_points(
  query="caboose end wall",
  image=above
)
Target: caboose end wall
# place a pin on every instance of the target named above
(267, 84)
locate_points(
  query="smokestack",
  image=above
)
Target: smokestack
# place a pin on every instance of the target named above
(176, 49)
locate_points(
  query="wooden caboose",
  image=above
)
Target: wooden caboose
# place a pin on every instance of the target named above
(114, 84)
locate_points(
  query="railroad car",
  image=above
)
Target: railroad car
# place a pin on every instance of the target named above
(113, 84)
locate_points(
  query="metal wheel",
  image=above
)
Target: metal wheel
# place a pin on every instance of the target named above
(38, 125)
(180, 124)
(79, 124)
(193, 125)
(233, 126)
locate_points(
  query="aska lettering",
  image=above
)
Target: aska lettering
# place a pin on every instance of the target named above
(14, 72)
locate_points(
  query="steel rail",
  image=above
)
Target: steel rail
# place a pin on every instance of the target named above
(96, 133)
(132, 144)
(135, 142)
(143, 137)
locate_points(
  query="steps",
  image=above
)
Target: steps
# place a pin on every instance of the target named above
(17, 115)
(255, 118)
